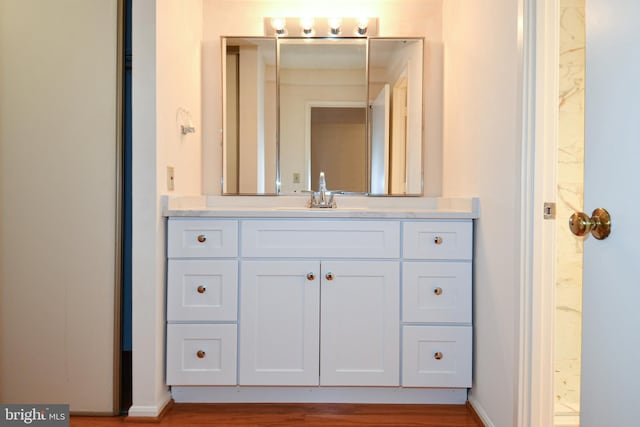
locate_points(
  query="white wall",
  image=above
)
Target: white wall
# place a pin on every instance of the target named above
(58, 151)
(166, 76)
(415, 18)
(482, 158)
(178, 62)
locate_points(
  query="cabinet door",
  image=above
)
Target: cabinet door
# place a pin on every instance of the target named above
(360, 314)
(279, 322)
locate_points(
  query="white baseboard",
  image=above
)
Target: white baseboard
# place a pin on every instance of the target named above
(150, 410)
(237, 394)
(481, 412)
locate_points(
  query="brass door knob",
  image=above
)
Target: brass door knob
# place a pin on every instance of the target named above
(599, 225)
(437, 291)
(438, 240)
(201, 289)
(201, 354)
(202, 238)
(310, 276)
(437, 355)
(329, 276)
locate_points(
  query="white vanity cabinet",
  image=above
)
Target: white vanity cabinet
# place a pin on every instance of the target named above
(377, 304)
(330, 323)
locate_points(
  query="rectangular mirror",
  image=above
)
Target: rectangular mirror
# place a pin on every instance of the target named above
(350, 107)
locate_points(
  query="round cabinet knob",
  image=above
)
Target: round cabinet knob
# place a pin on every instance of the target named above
(437, 355)
(437, 291)
(329, 276)
(437, 240)
(311, 276)
(201, 354)
(202, 289)
(202, 238)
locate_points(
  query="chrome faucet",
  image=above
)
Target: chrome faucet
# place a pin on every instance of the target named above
(322, 198)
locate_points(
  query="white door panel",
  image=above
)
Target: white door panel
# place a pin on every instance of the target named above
(611, 341)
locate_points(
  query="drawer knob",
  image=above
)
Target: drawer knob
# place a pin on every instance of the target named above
(438, 240)
(437, 355)
(201, 354)
(437, 291)
(202, 238)
(311, 276)
(329, 276)
(202, 289)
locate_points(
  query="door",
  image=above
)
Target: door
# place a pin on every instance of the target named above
(360, 326)
(60, 139)
(279, 322)
(611, 316)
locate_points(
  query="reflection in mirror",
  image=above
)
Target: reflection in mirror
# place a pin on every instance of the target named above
(322, 95)
(395, 121)
(249, 115)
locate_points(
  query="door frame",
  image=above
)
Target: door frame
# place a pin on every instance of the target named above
(540, 45)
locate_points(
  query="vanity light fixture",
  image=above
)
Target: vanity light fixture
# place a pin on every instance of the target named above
(320, 27)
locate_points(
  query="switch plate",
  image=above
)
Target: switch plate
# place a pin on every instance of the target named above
(170, 178)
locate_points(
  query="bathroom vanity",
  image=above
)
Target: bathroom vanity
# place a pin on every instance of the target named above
(355, 304)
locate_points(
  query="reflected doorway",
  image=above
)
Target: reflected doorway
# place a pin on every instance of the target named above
(338, 145)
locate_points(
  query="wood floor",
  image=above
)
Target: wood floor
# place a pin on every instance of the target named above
(276, 415)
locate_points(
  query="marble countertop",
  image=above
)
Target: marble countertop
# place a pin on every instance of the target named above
(294, 207)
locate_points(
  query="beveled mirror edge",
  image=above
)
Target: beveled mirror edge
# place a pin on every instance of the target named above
(368, 39)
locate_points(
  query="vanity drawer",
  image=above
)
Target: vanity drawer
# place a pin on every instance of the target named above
(438, 240)
(322, 239)
(436, 356)
(202, 290)
(201, 354)
(202, 238)
(436, 292)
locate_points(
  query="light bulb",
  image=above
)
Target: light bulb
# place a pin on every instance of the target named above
(307, 26)
(362, 24)
(278, 25)
(334, 25)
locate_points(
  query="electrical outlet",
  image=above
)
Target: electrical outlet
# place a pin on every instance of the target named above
(296, 177)
(170, 178)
